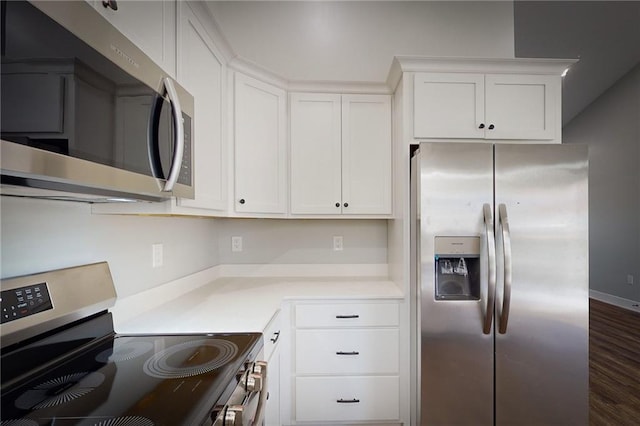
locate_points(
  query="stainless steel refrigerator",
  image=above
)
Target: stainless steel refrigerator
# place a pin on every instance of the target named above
(500, 282)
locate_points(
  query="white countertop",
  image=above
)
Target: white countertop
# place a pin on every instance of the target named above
(244, 304)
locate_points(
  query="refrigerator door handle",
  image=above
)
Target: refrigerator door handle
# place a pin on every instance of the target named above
(491, 282)
(506, 245)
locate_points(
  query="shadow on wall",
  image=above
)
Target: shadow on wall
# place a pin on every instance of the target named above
(611, 128)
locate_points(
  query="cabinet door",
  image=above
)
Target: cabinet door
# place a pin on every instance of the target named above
(315, 153)
(347, 399)
(260, 147)
(366, 154)
(448, 105)
(149, 24)
(202, 73)
(522, 106)
(272, 412)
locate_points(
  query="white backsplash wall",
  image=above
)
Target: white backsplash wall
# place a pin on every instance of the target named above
(293, 241)
(39, 235)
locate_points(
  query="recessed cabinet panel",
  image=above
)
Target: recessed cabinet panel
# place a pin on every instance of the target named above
(347, 315)
(521, 106)
(315, 154)
(354, 351)
(448, 105)
(366, 154)
(201, 72)
(341, 399)
(260, 147)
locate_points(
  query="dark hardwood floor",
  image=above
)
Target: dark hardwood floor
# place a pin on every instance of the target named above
(614, 365)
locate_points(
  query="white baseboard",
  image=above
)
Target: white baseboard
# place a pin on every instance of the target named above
(629, 304)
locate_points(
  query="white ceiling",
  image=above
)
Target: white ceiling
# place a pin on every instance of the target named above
(356, 40)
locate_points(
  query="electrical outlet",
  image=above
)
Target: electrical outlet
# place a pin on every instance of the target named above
(337, 243)
(630, 279)
(236, 244)
(156, 255)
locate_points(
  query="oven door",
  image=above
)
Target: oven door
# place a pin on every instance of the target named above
(246, 406)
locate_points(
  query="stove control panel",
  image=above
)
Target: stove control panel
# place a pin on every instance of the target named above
(24, 301)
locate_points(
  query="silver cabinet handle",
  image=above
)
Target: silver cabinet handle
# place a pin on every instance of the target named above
(506, 244)
(491, 282)
(176, 111)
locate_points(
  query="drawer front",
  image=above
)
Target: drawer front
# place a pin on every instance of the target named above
(272, 335)
(347, 315)
(361, 351)
(324, 399)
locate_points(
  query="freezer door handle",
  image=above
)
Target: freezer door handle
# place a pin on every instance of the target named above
(503, 219)
(491, 282)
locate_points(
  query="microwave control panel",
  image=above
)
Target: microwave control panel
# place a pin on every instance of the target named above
(24, 301)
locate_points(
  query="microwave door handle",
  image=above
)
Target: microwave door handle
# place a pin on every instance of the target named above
(491, 257)
(176, 111)
(508, 270)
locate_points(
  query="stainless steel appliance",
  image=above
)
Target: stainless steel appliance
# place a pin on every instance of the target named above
(500, 281)
(84, 111)
(62, 363)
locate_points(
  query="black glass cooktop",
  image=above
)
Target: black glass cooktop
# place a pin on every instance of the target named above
(134, 380)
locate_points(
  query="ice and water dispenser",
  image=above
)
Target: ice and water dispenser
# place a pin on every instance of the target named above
(457, 262)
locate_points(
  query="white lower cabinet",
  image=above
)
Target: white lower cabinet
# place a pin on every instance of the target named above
(347, 399)
(352, 351)
(271, 337)
(345, 362)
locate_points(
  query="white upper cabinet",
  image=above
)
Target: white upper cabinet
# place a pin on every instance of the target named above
(487, 106)
(316, 170)
(366, 154)
(149, 24)
(340, 154)
(448, 105)
(522, 106)
(202, 72)
(260, 147)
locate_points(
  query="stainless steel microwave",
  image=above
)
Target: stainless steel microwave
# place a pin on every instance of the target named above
(84, 111)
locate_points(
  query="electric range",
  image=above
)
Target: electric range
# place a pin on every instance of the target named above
(63, 364)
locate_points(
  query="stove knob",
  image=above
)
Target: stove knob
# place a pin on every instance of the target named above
(233, 415)
(252, 382)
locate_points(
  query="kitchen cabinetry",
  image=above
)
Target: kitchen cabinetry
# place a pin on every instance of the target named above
(151, 25)
(487, 106)
(260, 147)
(340, 154)
(272, 354)
(202, 72)
(346, 362)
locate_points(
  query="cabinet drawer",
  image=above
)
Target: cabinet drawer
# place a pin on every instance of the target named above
(324, 399)
(271, 335)
(347, 315)
(364, 351)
